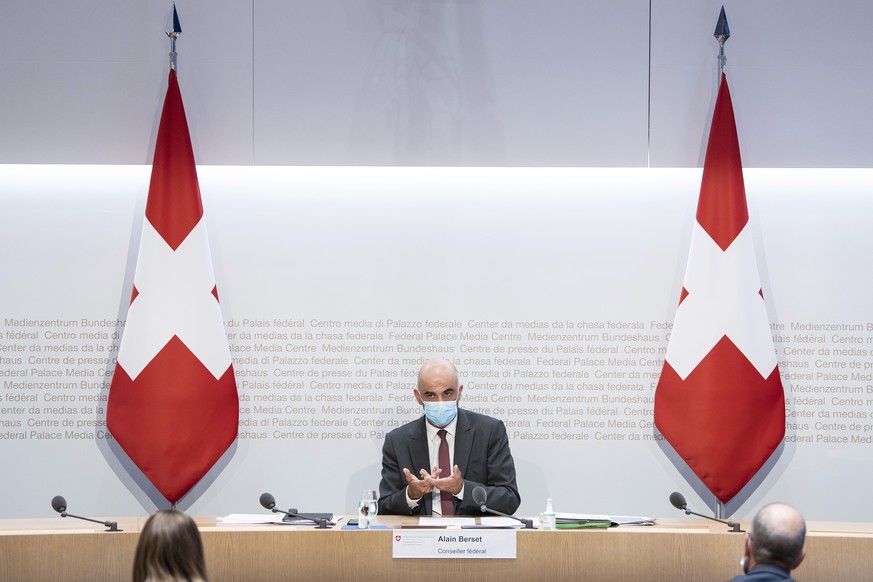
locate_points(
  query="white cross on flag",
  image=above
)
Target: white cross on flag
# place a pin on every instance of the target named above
(173, 404)
(719, 400)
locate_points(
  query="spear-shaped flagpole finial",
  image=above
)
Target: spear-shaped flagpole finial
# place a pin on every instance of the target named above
(174, 29)
(721, 34)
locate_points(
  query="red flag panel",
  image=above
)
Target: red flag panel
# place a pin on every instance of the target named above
(175, 420)
(174, 171)
(721, 208)
(725, 419)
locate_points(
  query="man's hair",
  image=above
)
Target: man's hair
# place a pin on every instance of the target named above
(169, 548)
(775, 540)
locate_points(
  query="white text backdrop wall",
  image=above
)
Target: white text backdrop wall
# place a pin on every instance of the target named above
(552, 289)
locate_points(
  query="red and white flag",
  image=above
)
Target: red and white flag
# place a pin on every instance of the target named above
(173, 404)
(719, 400)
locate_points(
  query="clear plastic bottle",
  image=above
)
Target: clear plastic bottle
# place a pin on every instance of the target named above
(547, 519)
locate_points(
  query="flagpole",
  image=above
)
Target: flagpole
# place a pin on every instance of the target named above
(722, 33)
(174, 30)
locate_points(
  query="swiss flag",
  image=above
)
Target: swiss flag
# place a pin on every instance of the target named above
(173, 404)
(719, 400)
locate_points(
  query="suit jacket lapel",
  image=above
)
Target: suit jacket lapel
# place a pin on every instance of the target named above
(463, 441)
(417, 447)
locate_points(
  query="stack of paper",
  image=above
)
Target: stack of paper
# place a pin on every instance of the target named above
(250, 518)
(257, 518)
(584, 520)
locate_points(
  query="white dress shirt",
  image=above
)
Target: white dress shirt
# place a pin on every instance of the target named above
(433, 451)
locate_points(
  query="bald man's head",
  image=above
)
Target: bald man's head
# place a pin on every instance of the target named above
(440, 371)
(777, 536)
(437, 382)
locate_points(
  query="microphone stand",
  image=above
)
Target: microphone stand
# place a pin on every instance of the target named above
(677, 500)
(480, 496)
(735, 526)
(321, 523)
(269, 502)
(528, 523)
(112, 525)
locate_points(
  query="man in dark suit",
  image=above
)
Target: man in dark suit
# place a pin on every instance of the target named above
(774, 545)
(432, 464)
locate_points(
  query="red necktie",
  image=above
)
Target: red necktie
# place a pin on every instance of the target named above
(446, 501)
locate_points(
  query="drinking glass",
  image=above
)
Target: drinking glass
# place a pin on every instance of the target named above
(367, 508)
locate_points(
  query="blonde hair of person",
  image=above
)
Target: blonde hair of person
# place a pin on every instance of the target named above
(169, 550)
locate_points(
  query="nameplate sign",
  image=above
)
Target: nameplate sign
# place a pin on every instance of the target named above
(454, 544)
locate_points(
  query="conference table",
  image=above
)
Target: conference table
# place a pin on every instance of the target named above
(674, 549)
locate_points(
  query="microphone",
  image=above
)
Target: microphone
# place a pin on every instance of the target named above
(480, 496)
(678, 501)
(59, 504)
(269, 502)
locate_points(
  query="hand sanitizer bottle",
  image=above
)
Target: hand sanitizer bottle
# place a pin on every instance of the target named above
(547, 521)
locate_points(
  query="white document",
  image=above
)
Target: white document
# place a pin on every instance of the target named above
(446, 521)
(258, 518)
(497, 521)
(249, 518)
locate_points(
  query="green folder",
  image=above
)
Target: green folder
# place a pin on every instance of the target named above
(585, 524)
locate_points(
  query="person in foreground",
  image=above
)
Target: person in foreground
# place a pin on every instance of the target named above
(774, 546)
(169, 550)
(432, 464)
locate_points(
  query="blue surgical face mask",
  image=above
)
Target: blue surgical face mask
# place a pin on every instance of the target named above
(440, 414)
